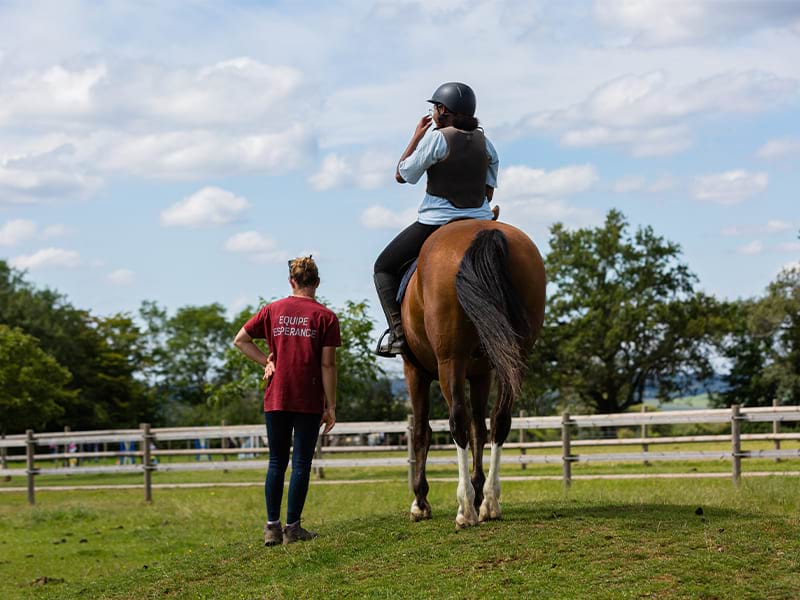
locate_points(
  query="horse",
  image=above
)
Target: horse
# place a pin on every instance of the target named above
(474, 305)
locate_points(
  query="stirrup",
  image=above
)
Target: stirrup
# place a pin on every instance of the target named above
(389, 352)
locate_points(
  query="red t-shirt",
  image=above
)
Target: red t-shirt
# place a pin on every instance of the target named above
(296, 329)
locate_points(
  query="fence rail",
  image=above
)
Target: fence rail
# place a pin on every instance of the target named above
(148, 452)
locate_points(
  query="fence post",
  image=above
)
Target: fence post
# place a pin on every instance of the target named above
(224, 444)
(643, 435)
(65, 447)
(522, 451)
(3, 460)
(411, 457)
(736, 443)
(30, 468)
(147, 467)
(566, 450)
(318, 454)
(776, 429)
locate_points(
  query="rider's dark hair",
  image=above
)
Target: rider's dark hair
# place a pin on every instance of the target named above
(464, 122)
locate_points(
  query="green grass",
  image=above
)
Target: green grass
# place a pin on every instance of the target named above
(602, 539)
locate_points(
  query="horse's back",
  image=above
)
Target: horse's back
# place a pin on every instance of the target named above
(434, 311)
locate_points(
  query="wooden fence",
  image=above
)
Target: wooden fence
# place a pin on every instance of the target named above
(149, 439)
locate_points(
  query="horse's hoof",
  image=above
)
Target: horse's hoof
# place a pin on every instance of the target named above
(419, 514)
(490, 510)
(470, 519)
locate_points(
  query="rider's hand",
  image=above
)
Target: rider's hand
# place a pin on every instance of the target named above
(329, 418)
(423, 126)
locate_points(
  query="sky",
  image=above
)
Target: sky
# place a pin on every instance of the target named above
(182, 151)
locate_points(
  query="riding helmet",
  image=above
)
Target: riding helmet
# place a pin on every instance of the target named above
(457, 97)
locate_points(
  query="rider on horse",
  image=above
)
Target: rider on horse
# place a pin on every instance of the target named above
(462, 174)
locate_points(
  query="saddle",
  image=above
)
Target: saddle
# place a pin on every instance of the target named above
(409, 270)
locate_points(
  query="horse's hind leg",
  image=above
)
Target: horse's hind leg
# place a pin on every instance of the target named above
(479, 398)
(419, 385)
(501, 425)
(452, 374)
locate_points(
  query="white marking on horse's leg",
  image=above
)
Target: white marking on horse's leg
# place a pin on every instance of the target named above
(467, 516)
(490, 507)
(417, 513)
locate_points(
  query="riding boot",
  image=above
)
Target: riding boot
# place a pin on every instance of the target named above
(386, 285)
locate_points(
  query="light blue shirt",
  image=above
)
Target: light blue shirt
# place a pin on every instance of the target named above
(436, 210)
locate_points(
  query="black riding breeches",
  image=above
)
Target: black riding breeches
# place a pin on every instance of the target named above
(403, 249)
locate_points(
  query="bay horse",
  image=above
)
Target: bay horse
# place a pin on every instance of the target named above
(474, 305)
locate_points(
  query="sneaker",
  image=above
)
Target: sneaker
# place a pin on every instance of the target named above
(294, 533)
(273, 534)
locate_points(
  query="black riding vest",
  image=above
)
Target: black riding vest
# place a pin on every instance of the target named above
(461, 176)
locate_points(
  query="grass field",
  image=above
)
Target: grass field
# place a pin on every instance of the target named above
(602, 539)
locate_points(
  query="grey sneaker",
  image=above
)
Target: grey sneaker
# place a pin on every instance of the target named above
(273, 534)
(294, 533)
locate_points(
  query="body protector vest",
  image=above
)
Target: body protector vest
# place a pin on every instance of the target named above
(461, 175)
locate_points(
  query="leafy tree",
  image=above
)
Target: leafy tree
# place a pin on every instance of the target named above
(364, 391)
(33, 386)
(622, 314)
(101, 354)
(186, 355)
(238, 394)
(748, 354)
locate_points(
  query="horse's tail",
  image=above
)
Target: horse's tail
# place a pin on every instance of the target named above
(487, 295)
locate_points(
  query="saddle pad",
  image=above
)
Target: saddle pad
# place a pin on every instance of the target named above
(401, 291)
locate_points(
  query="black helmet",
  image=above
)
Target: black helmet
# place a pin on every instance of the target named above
(457, 97)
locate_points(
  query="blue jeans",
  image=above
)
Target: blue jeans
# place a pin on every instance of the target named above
(280, 425)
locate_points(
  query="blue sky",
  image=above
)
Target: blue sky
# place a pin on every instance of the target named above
(181, 152)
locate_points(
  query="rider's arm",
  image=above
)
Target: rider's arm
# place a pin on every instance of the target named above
(491, 171)
(430, 150)
(423, 126)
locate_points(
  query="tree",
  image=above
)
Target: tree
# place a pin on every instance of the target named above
(102, 366)
(622, 314)
(186, 355)
(33, 386)
(364, 391)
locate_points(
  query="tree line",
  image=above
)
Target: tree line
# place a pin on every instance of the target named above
(624, 320)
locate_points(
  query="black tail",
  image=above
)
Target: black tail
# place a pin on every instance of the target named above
(486, 294)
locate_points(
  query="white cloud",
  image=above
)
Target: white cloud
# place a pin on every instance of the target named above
(731, 187)
(47, 257)
(52, 231)
(239, 91)
(753, 248)
(17, 231)
(772, 227)
(523, 182)
(779, 148)
(369, 171)
(150, 120)
(121, 277)
(644, 113)
(33, 178)
(200, 153)
(207, 207)
(656, 22)
(636, 183)
(257, 247)
(789, 247)
(51, 94)
(380, 217)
